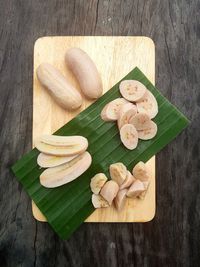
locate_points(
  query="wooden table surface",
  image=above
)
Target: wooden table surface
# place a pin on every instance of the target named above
(173, 237)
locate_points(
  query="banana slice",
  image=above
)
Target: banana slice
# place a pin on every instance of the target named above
(56, 140)
(146, 186)
(141, 172)
(126, 112)
(46, 161)
(66, 172)
(148, 104)
(120, 199)
(109, 191)
(99, 202)
(97, 182)
(132, 90)
(129, 136)
(141, 121)
(148, 133)
(61, 145)
(128, 181)
(136, 189)
(111, 110)
(118, 172)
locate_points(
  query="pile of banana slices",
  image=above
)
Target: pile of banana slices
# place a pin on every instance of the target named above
(123, 184)
(65, 157)
(133, 113)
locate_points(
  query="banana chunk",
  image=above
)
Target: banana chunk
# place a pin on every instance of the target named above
(126, 112)
(148, 104)
(129, 136)
(97, 182)
(120, 199)
(67, 172)
(146, 186)
(141, 121)
(148, 133)
(61, 145)
(136, 189)
(99, 202)
(141, 172)
(118, 172)
(109, 191)
(128, 181)
(47, 161)
(132, 90)
(111, 110)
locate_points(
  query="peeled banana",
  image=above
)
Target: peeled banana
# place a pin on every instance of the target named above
(111, 111)
(66, 172)
(148, 105)
(109, 191)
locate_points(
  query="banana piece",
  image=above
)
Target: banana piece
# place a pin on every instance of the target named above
(99, 202)
(128, 181)
(120, 199)
(129, 136)
(111, 111)
(109, 191)
(61, 145)
(97, 182)
(47, 161)
(146, 186)
(136, 189)
(126, 112)
(141, 172)
(66, 172)
(148, 104)
(141, 121)
(148, 133)
(132, 90)
(118, 172)
(58, 86)
(56, 140)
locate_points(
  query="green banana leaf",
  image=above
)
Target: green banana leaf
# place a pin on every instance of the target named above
(66, 207)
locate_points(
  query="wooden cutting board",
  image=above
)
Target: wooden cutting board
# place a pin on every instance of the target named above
(114, 58)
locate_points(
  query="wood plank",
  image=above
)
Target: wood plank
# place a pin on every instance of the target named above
(114, 57)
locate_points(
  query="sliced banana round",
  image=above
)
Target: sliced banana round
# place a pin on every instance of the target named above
(141, 172)
(67, 172)
(132, 90)
(47, 161)
(148, 104)
(109, 191)
(97, 182)
(128, 181)
(126, 112)
(120, 199)
(61, 145)
(141, 121)
(111, 111)
(129, 136)
(136, 189)
(99, 202)
(118, 172)
(148, 133)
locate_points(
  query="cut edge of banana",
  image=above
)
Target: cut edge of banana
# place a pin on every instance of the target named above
(133, 112)
(123, 185)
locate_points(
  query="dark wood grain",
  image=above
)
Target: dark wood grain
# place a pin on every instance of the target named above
(173, 237)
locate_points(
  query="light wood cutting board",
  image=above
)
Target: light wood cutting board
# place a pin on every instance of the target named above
(114, 58)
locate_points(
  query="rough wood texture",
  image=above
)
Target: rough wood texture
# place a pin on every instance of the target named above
(108, 53)
(173, 237)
